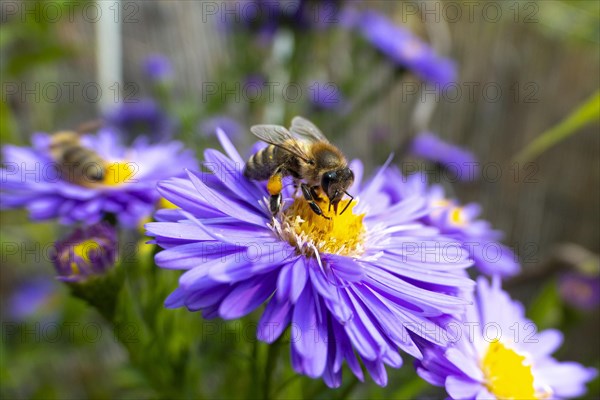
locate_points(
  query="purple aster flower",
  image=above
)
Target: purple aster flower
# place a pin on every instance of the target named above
(230, 126)
(256, 80)
(158, 67)
(458, 161)
(496, 353)
(305, 14)
(32, 297)
(87, 252)
(459, 222)
(326, 96)
(259, 17)
(355, 287)
(144, 117)
(580, 291)
(265, 17)
(32, 180)
(401, 46)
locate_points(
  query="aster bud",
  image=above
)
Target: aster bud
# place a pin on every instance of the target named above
(87, 252)
(85, 260)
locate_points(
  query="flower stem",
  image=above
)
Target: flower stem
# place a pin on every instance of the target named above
(253, 369)
(270, 365)
(348, 389)
(284, 384)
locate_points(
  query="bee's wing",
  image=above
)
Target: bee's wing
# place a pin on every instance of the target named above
(279, 136)
(89, 126)
(304, 129)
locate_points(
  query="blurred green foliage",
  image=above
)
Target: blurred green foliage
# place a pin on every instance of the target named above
(586, 113)
(30, 43)
(576, 20)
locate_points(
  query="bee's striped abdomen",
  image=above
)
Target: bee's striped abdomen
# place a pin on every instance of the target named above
(262, 164)
(77, 155)
(81, 165)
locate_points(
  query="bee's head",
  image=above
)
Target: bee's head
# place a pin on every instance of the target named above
(334, 184)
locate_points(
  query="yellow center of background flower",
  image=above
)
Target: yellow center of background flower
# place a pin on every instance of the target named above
(457, 216)
(341, 234)
(164, 203)
(507, 373)
(118, 172)
(80, 251)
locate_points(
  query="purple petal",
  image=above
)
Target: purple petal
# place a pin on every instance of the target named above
(275, 319)
(246, 296)
(312, 341)
(223, 204)
(345, 268)
(460, 388)
(377, 371)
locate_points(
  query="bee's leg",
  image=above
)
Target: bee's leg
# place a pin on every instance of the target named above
(275, 203)
(274, 187)
(296, 187)
(306, 191)
(315, 195)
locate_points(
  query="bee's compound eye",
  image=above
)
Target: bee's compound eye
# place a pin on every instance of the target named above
(327, 179)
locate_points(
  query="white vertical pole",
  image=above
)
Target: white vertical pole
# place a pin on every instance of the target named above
(109, 53)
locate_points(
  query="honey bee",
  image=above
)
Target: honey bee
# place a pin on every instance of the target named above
(78, 164)
(304, 153)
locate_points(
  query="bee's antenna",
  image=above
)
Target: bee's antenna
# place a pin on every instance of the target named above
(350, 202)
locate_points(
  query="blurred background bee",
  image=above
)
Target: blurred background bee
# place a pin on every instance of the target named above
(304, 153)
(77, 164)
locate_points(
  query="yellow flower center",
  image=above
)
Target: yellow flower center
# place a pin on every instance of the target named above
(342, 234)
(118, 172)
(164, 203)
(508, 374)
(80, 251)
(441, 203)
(457, 216)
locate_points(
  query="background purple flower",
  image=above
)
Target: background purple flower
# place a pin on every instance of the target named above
(326, 95)
(257, 79)
(510, 360)
(264, 17)
(31, 180)
(460, 162)
(401, 46)
(459, 222)
(157, 67)
(32, 297)
(580, 291)
(144, 117)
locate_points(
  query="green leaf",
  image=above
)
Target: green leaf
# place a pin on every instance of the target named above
(546, 310)
(587, 113)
